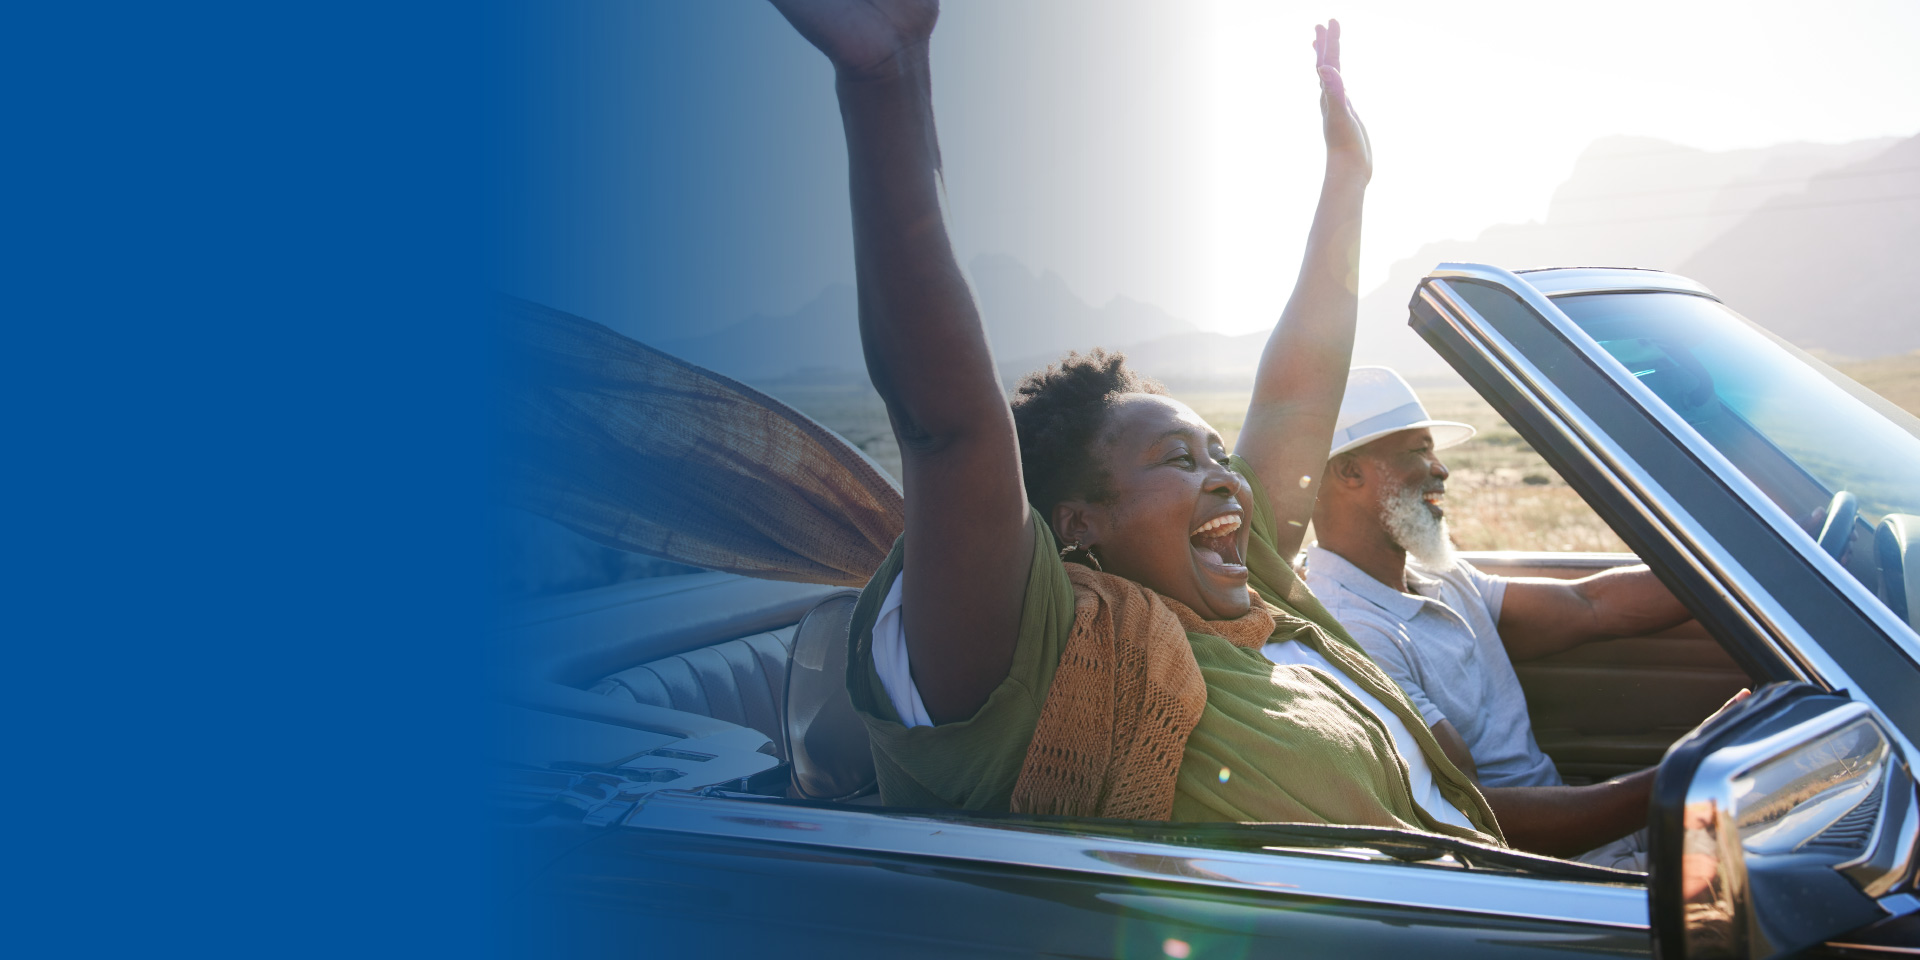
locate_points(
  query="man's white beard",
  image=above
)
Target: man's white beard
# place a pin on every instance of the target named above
(1412, 525)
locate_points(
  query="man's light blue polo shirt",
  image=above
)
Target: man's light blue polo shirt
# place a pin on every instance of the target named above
(1442, 645)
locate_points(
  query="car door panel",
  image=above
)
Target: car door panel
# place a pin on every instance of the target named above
(675, 894)
(1614, 707)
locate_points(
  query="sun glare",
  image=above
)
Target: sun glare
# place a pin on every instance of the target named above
(1477, 111)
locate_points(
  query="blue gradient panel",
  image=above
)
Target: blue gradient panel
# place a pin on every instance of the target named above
(244, 374)
(667, 169)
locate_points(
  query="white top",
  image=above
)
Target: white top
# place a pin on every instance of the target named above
(1441, 644)
(896, 677)
(890, 660)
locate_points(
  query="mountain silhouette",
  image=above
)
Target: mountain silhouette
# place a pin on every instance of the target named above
(822, 336)
(1630, 202)
(1026, 313)
(1196, 359)
(1809, 240)
(1826, 267)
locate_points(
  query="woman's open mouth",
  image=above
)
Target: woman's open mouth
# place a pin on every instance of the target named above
(1217, 544)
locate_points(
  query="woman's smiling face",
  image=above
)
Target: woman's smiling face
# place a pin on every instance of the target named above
(1177, 521)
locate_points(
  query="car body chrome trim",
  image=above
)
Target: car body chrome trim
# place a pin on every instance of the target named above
(1722, 919)
(1573, 281)
(1738, 759)
(1329, 875)
(1870, 948)
(1896, 829)
(1899, 905)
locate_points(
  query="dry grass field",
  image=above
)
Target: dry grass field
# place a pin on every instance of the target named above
(1896, 378)
(1501, 496)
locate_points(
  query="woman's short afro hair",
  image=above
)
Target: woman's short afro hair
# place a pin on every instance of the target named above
(1058, 413)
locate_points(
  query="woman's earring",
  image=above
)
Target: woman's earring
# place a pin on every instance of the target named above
(1076, 547)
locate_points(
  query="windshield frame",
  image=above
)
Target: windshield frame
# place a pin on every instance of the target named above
(1622, 457)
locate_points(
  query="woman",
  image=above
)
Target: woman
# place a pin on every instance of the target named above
(1130, 681)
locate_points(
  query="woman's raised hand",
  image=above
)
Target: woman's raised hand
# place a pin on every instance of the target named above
(970, 533)
(1303, 370)
(1346, 136)
(863, 38)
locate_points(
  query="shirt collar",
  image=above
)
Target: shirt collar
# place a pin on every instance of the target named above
(1356, 581)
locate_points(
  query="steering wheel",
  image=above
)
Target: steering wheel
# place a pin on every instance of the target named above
(1838, 528)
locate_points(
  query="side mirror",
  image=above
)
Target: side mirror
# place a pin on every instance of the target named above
(1787, 821)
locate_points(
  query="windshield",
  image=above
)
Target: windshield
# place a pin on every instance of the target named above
(1801, 431)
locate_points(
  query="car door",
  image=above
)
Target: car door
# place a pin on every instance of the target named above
(1654, 449)
(642, 829)
(639, 817)
(754, 876)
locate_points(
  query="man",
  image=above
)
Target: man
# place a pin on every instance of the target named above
(1448, 634)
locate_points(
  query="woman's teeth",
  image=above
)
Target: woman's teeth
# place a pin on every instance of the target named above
(1213, 542)
(1218, 526)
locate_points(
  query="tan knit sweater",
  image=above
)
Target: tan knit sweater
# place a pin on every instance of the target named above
(1124, 698)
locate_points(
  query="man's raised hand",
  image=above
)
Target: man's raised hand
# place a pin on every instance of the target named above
(863, 38)
(1346, 136)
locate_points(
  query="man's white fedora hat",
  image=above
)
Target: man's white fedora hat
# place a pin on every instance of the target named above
(1379, 402)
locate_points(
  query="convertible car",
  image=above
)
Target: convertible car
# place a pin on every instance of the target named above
(684, 776)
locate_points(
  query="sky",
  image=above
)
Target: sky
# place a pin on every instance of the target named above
(671, 168)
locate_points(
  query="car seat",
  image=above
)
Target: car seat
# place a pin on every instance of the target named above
(826, 740)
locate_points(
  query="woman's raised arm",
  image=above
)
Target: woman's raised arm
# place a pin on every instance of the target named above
(1303, 372)
(969, 539)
